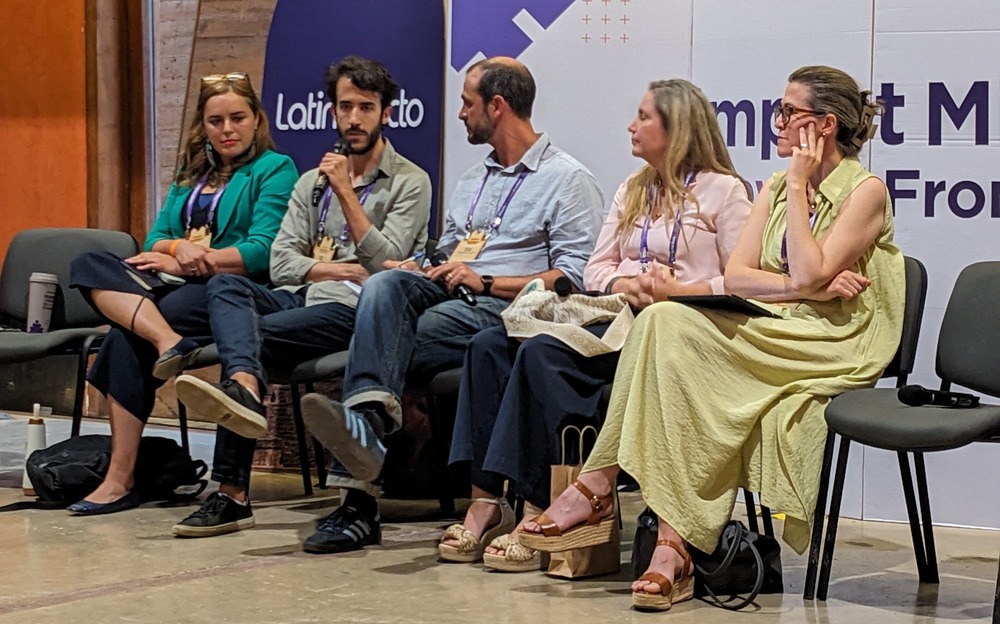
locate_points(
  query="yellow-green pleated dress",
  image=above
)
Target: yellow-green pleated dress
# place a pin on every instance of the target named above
(705, 402)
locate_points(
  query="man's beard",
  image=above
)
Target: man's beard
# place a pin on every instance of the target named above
(480, 133)
(373, 138)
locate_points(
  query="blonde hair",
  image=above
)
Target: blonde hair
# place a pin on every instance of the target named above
(833, 91)
(193, 161)
(695, 144)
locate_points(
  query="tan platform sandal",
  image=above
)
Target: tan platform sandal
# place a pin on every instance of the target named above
(515, 558)
(671, 592)
(470, 547)
(596, 530)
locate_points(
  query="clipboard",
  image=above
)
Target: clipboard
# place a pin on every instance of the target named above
(727, 303)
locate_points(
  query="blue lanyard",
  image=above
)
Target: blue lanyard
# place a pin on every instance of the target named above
(784, 241)
(193, 199)
(327, 196)
(674, 232)
(498, 218)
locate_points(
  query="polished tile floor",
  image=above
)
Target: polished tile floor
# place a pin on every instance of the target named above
(127, 568)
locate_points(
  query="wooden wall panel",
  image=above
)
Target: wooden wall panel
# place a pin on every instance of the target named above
(174, 23)
(231, 36)
(43, 116)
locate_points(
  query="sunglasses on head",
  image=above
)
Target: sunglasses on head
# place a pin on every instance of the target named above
(230, 77)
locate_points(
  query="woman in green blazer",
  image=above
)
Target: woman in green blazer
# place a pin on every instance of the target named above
(220, 216)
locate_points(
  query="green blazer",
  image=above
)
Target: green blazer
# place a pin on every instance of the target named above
(249, 213)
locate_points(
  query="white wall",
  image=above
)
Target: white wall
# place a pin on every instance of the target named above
(588, 90)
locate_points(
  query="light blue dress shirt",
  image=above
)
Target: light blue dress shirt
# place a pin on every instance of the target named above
(552, 220)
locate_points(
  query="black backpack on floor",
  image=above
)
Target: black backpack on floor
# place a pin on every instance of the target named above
(67, 471)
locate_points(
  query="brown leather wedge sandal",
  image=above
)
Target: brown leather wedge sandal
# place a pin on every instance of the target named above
(671, 592)
(596, 530)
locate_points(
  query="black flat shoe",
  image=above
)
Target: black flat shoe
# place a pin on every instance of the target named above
(175, 359)
(87, 508)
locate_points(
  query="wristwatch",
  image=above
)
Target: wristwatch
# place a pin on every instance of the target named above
(487, 284)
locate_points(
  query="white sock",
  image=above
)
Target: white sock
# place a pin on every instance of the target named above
(240, 503)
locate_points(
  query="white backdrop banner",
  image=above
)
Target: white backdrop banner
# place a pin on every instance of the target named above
(931, 63)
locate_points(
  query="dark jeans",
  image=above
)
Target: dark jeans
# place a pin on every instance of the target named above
(255, 329)
(407, 323)
(123, 369)
(514, 399)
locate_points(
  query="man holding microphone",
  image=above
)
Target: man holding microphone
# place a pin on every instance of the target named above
(528, 211)
(363, 206)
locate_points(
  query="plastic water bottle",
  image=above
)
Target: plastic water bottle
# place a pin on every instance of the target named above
(36, 440)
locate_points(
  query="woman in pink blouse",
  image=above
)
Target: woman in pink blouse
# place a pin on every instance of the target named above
(670, 230)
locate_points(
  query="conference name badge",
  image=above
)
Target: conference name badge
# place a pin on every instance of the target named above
(469, 248)
(200, 236)
(324, 249)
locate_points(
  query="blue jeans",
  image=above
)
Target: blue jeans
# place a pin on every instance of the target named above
(255, 329)
(407, 324)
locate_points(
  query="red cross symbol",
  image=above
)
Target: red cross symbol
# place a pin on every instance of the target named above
(605, 37)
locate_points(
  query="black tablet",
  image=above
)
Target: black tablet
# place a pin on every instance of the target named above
(730, 303)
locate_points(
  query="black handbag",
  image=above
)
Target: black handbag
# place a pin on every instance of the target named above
(743, 565)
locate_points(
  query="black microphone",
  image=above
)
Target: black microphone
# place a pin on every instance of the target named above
(341, 147)
(916, 396)
(461, 291)
(563, 286)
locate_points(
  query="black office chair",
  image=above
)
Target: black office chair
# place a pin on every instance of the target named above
(968, 354)
(73, 329)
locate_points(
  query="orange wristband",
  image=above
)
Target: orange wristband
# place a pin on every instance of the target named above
(173, 246)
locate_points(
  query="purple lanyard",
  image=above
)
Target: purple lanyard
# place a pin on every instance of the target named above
(193, 199)
(674, 232)
(327, 196)
(784, 241)
(498, 219)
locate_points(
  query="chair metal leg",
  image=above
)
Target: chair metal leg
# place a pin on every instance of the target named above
(182, 418)
(318, 451)
(765, 517)
(818, 517)
(81, 383)
(751, 505)
(446, 494)
(996, 600)
(300, 437)
(913, 515)
(831, 523)
(930, 565)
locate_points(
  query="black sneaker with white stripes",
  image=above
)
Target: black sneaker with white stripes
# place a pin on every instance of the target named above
(352, 435)
(344, 530)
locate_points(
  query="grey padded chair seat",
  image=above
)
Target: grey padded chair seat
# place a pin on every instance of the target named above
(326, 367)
(24, 347)
(875, 417)
(446, 382)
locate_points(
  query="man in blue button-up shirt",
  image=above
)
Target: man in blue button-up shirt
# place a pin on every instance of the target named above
(528, 211)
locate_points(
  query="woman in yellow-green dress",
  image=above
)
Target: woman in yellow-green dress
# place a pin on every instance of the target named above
(706, 402)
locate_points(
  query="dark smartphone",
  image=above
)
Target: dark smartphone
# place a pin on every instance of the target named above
(146, 279)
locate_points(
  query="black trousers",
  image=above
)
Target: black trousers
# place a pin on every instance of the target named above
(514, 399)
(123, 368)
